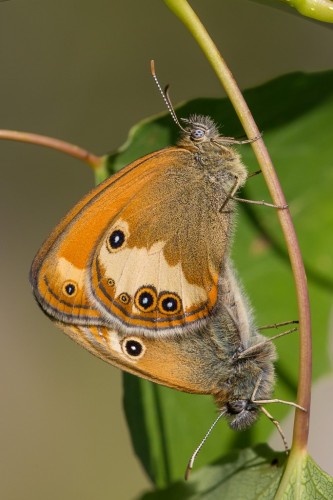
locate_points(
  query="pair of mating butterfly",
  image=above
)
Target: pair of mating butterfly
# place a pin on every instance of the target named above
(139, 274)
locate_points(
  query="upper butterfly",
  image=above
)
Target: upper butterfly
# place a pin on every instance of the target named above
(144, 251)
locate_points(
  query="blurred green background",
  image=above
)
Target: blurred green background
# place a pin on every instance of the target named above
(79, 71)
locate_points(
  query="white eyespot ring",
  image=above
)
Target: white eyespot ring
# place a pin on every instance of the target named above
(133, 347)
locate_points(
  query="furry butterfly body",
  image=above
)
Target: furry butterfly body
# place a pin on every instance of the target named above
(143, 252)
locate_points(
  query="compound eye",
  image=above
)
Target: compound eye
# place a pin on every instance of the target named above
(133, 347)
(197, 134)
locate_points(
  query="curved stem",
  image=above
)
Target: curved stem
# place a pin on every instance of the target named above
(49, 142)
(316, 9)
(186, 14)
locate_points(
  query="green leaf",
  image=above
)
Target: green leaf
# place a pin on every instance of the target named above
(304, 479)
(247, 474)
(295, 114)
(252, 474)
(165, 427)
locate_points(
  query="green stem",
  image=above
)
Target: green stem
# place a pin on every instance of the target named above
(49, 142)
(188, 17)
(322, 10)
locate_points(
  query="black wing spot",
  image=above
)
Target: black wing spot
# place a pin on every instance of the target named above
(116, 240)
(69, 288)
(146, 299)
(169, 303)
(133, 347)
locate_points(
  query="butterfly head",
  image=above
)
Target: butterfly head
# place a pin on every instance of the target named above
(241, 413)
(250, 381)
(200, 132)
(199, 128)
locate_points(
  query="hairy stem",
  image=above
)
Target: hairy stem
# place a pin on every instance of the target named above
(49, 142)
(188, 17)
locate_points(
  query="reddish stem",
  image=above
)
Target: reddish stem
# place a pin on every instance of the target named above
(49, 142)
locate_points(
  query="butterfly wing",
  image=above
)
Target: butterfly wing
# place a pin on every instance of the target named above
(143, 251)
(201, 362)
(166, 360)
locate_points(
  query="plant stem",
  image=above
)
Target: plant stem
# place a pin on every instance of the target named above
(188, 17)
(49, 142)
(317, 9)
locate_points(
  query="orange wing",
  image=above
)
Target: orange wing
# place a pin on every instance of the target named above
(140, 251)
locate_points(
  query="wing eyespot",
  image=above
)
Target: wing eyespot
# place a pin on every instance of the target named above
(133, 347)
(169, 303)
(145, 299)
(124, 298)
(116, 240)
(69, 288)
(111, 282)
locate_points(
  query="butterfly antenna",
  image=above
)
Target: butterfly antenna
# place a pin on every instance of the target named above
(194, 455)
(165, 96)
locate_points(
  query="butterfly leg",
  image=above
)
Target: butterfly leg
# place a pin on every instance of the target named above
(277, 425)
(268, 401)
(233, 140)
(277, 325)
(271, 205)
(254, 347)
(233, 191)
(253, 174)
(290, 403)
(232, 196)
(253, 202)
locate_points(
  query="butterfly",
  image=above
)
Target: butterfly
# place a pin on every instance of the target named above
(139, 274)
